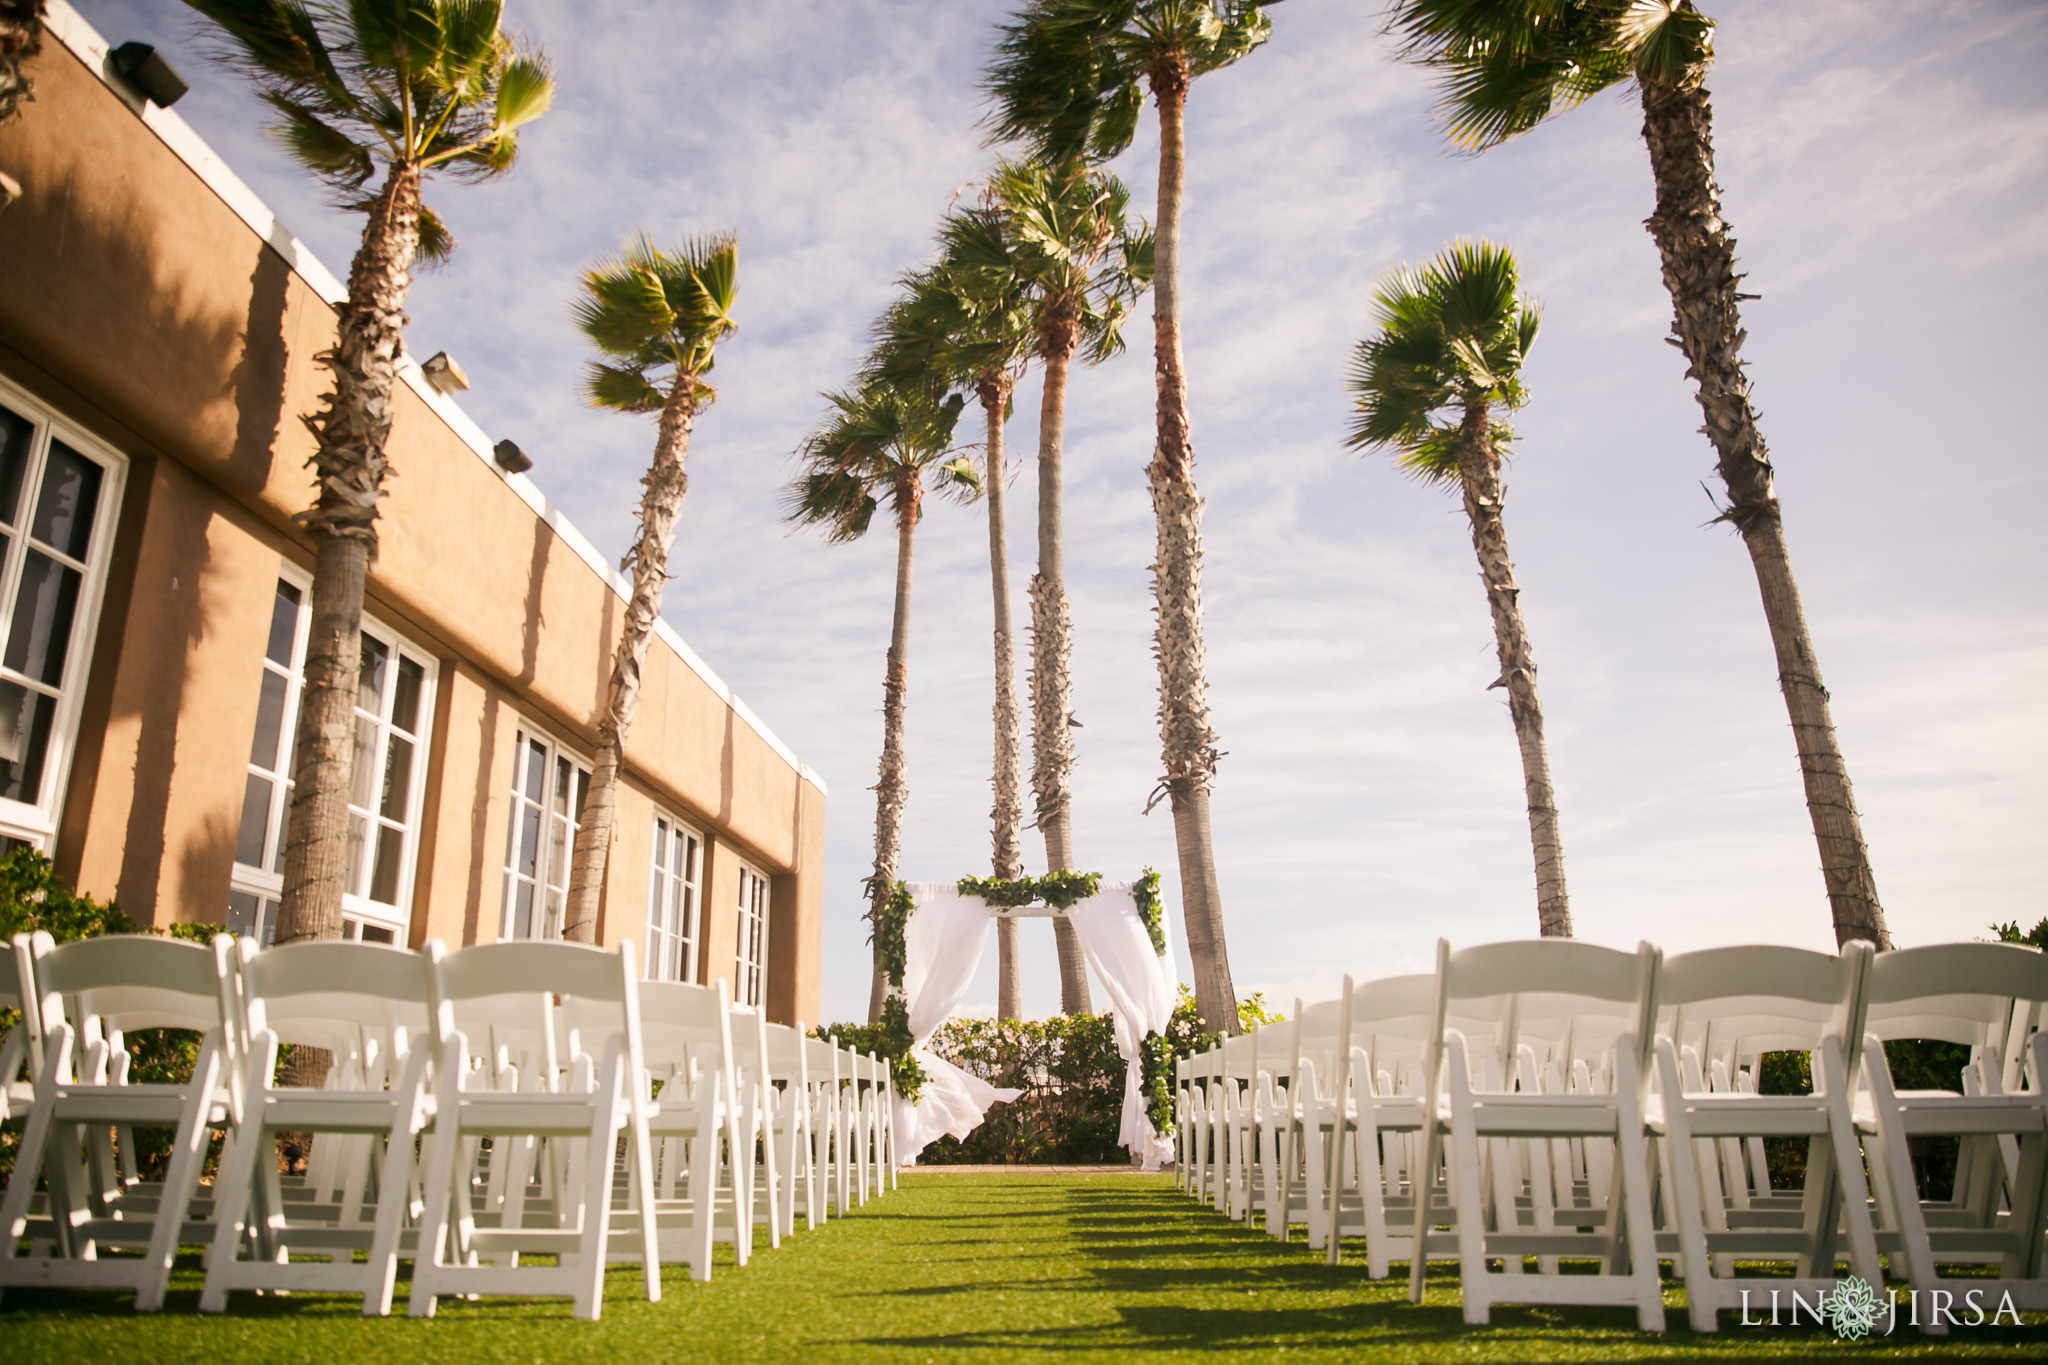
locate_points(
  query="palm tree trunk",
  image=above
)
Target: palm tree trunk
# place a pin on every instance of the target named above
(1479, 471)
(1052, 690)
(1699, 271)
(892, 790)
(1188, 743)
(661, 502)
(350, 467)
(1006, 858)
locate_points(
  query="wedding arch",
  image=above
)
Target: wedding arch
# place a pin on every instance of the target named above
(930, 938)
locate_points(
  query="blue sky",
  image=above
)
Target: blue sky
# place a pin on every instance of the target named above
(1885, 168)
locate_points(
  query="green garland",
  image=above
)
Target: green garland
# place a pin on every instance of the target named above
(1146, 894)
(1155, 1081)
(892, 954)
(895, 1045)
(1060, 890)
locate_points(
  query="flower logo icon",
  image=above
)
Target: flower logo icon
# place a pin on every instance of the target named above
(1853, 1308)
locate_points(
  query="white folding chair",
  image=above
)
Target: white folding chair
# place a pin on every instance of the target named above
(1728, 1005)
(686, 1031)
(790, 1126)
(373, 1006)
(23, 1045)
(1972, 994)
(756, 1192)
(1547, 977)
(602, 1101)
(122, 983)
(826, 1062)
(1383, 1032)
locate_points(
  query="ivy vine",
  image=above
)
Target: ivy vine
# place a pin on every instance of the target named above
(1155, 1081)
(1061, 890)
(1146, 894)
(892, 953)
(895, 1040)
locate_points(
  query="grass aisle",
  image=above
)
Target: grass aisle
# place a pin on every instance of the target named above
(986, 1267)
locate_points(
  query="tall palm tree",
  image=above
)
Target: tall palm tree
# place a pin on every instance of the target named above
(657, 316)
(1069, 79)
(963, 326)
(1506, 66)
(412, 88)
(1452, 339)
(21, 37)
(1082, 263)
(883, 441)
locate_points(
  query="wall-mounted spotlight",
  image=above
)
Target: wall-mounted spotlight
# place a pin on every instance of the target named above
(511, 458)
(143, 67)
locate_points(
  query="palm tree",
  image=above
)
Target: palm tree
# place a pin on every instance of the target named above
(430, 86)
(1506, 66)
(1453, 336)
(1068, 79)
(963, 327)
(657, 316)
(21, 38)
(883, 441)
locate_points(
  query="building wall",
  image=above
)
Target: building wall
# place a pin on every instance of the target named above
(141, 305)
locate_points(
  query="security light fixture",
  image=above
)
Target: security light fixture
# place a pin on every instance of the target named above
(511, 458)
(143, 67)
(444, 374)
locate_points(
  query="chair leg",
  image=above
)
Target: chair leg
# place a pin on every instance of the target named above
(1631, 1148)
(437, 1192)
(233, 1188)
(181, 1180)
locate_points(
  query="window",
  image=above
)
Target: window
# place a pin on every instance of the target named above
(750, 963)
(56, 491)
(394, 698)
(672, 882)
(548, 789)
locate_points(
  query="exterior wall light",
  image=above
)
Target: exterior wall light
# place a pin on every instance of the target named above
(511, 458)
(143, 67)
(443, 374)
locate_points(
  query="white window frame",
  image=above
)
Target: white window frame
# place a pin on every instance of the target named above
(362, 918)
(35, 823)
(750, 939)
(675, 900)
(544, 866)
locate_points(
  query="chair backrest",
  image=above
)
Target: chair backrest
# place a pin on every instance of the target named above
(133, 981)
(598, 991)
(788, 1058)
(1583, 985)
(1954, 992)
(821, 1059)
(321, 992)
(1738, 1003)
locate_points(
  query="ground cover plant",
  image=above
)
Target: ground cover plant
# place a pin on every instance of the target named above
(951, 1267)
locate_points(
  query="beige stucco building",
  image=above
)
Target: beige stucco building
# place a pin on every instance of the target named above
(158, 330)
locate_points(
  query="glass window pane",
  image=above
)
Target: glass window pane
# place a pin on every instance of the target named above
(558, 853)
(582, 792)
(284, 625)
(284, 815)
(561, 790)
(536, 770)
(405, 698)
(69, 498)
(397, 780)
(370, 682)
(25, 718)
(352, 873)
(269, 722)
(255, 821)
(17, 433)
(522, 912)
(245, 913)
(529, 841)
(41, 631)
(390, 858)
(553, 927)
(362, 766)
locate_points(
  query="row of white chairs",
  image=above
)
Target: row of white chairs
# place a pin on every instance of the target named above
(509, 1118)
(1557, 1100)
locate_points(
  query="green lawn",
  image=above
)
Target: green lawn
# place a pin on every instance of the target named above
(949, 1267)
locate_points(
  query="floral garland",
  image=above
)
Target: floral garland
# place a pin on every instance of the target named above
(895, 1041)
(1060, 890)
(1155, 1081)
(1146, 894)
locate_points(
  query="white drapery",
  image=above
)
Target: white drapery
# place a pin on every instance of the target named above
(943, 941)
(1141, 990)
(944, 938)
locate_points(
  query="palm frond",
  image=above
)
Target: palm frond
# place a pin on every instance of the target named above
(623, 388)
